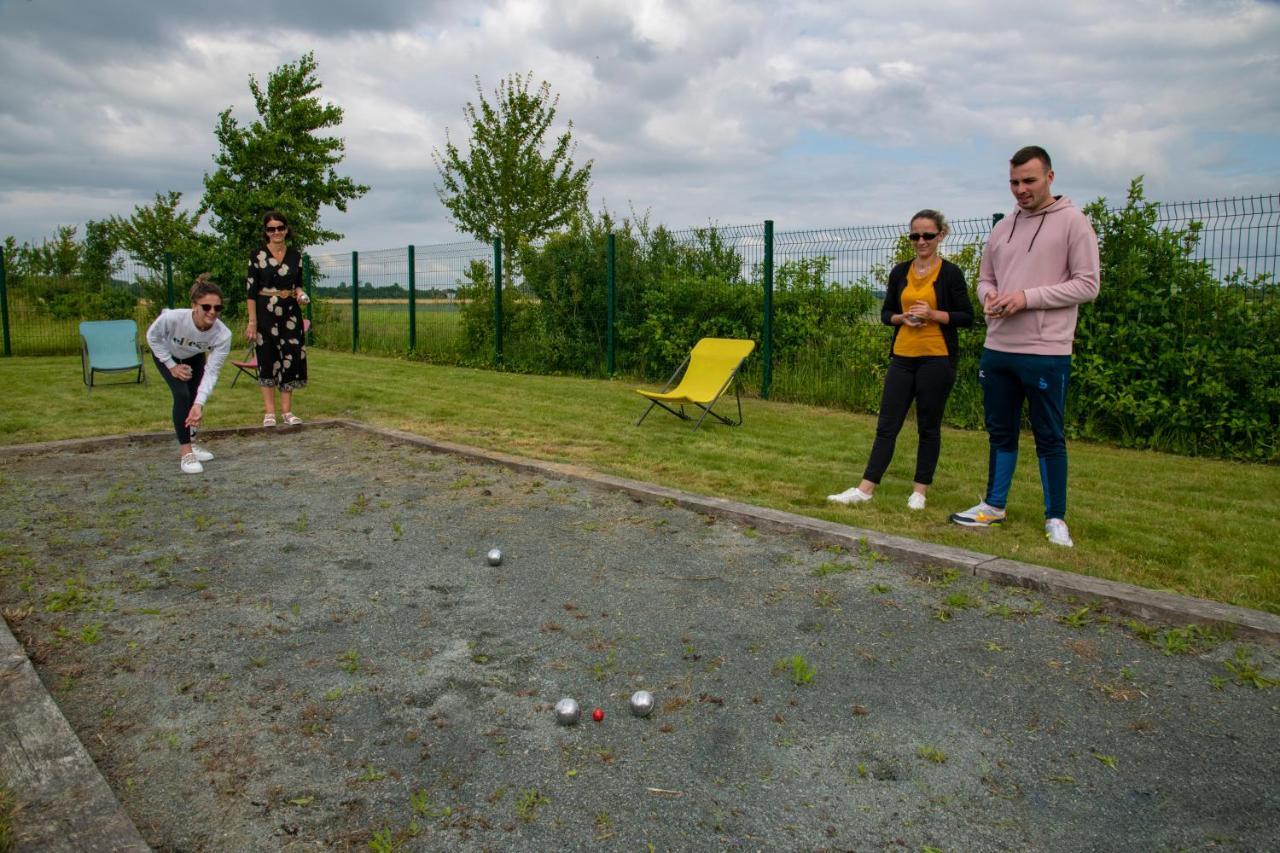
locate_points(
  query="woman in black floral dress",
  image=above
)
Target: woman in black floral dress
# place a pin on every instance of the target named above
(275, 319)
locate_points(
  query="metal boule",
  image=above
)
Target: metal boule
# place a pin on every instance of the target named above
(641, 703)
(568, 712)
(495, 557)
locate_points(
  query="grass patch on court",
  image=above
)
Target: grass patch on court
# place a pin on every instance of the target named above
(1200, 527)
(8, 811)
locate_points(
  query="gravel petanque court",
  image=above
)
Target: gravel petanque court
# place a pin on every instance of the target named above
(306, 647)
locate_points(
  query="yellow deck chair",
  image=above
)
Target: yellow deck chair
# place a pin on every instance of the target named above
(709, 370)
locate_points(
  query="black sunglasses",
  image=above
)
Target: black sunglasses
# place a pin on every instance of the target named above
(273, 229)
(207, 308)
(916, 236)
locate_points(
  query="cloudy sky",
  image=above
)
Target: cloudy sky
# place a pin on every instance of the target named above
(819, 113)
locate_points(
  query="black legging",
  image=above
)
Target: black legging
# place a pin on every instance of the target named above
(927, 380)
(184, 393)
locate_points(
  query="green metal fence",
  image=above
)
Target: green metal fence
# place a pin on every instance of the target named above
(406, 300)
(626, 302)
(41, 314)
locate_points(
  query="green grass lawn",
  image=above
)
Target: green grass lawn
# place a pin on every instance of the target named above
(1201, 527)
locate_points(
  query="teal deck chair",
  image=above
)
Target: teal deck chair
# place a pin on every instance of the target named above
(110, 346)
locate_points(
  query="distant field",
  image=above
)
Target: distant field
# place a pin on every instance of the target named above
(384, 326)
(423, 304)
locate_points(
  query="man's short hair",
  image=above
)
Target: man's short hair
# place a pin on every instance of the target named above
(1029, 153)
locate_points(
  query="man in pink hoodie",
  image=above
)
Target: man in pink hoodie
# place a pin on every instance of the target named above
(1038, 265)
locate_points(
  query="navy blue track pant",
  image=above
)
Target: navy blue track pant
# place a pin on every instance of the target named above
(1009, 379)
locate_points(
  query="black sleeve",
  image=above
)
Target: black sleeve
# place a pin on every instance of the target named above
(893, 294)
(253, 282)
(959, 307)
(295, 268)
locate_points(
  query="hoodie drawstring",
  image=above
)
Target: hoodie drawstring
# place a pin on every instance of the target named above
(1014, 228)
(1037, 234)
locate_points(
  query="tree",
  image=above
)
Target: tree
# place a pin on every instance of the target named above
(58, 257)
(156, 229)
(160, 228)
(98, 260)
(505, 186)
(280, 162)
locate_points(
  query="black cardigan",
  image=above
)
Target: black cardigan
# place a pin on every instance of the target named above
(949, 289)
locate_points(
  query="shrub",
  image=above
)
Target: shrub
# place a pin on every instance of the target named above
(1169, 357)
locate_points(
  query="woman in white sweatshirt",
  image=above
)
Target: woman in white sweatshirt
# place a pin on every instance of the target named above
(189, 347)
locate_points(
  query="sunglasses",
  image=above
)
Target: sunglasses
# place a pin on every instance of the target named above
(207, 308)
(276, 229)
(916, 236)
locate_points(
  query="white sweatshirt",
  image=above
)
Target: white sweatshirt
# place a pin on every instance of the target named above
(174, 335)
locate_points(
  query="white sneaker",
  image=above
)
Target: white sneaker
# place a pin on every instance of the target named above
(200, 453)
(850, 496)
(1055, 530)
(916, 501)
(191, 465)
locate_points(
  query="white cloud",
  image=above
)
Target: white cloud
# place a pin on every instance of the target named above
(811, 112)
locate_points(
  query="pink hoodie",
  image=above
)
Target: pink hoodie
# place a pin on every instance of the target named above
(1052, 256)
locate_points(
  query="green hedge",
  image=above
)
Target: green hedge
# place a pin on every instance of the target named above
(1167, 358)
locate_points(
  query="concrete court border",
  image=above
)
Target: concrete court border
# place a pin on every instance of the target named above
(69, 806)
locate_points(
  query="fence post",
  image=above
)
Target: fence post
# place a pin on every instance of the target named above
(612, 298)
(306, 288)
(497, 302)
(4, 306)
(168, 280)
(355, 301)
(413, 306)
(766, 376)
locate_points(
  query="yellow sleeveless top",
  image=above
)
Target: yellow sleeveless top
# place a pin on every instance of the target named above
(917, 341)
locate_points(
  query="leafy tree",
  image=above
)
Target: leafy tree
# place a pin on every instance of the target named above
(159, 228)
(282, 161)
(98, 253)
(156, 229)
(59, 256)
(505, 186)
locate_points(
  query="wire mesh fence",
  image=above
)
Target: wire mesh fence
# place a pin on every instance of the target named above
(633, 300)
(393, 311)
(42, 313)
(1238, 237)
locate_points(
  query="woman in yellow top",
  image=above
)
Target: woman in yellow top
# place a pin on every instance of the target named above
(926, 301)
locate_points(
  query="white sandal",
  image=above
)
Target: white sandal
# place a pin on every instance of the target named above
(291, 419)
(269, 420)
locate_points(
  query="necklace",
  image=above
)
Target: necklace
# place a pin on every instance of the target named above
(928, 269)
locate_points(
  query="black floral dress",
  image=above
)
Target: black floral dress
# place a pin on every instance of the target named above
(282, 358)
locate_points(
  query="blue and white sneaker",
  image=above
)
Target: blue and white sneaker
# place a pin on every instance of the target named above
(981, 515)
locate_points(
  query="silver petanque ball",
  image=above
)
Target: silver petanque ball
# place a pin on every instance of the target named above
(641, 703)
(567, 712)
(494, 557)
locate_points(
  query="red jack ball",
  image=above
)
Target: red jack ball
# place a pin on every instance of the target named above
(597, 715)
